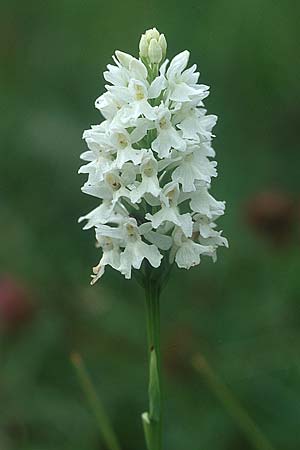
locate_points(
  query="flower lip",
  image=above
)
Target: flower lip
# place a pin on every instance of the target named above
(113, 181)
(149, 168)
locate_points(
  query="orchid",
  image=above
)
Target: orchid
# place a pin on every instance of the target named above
(150, 165)
(152, 153)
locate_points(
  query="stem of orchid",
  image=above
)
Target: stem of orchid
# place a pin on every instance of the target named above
(152, 420)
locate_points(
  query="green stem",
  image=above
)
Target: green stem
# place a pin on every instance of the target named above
(152, 420)
(232, 405)
(104, 424)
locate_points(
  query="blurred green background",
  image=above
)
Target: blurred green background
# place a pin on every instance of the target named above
(242, 313)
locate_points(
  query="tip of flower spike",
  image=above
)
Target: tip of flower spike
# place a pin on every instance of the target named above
(152, 47)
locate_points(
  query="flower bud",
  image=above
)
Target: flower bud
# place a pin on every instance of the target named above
(143, 47)
(154, 51)
(153, 46)
(163, 44)
(152, 34)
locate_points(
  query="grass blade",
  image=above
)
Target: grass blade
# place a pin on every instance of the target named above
(104, 424)
(231, 404)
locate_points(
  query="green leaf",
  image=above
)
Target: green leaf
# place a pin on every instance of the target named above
(147, 429)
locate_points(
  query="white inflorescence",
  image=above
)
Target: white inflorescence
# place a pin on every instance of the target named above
(149, 163)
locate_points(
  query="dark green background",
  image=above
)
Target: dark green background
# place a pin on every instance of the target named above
(242, 313)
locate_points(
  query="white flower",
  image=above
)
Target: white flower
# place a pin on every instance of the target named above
(194, 123)
(135, 249)
(186, 251)
(99, 162)
(122, 142)
(111, 188)
(167, 136)
(204, 203)
(207, 233)
(139, 100)
(194, 166)
(110, 256)
(149, 164)
(149, 182)
(182, 85)
(104, 213)
(169, 211)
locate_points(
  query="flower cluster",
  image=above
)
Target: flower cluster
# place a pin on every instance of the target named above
(149, 163)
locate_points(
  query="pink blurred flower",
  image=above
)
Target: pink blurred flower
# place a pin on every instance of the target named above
(16, 305)
(271, 214)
